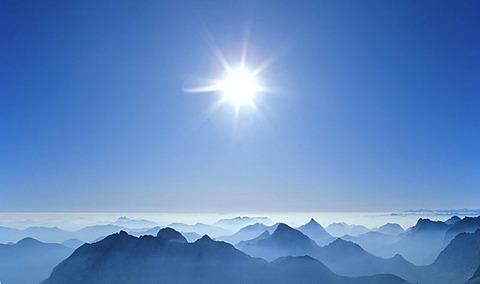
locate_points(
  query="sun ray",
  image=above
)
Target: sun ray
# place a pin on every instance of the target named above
(269, 61)
(246, 39)
(217, 52)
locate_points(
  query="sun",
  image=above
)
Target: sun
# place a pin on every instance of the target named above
(240, 86)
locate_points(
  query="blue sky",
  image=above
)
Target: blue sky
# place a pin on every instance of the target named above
(376, 106)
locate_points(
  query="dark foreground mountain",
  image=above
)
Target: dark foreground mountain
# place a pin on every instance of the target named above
(475, 279)
(458, 262)
(465, 225)
(29, 261)
(168, 258)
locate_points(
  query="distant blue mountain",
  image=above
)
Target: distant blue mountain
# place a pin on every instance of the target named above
(73, 243)
(151, 232)
(285, 241)
(390, 229)
(342, 257)
(316, 232)
(29, 261)
(239, 222)
(130, 223)
(422, 243)
(247, 233)
(342, 229)
(376, 243)
(91, 233)
(168, 258)
(201, 229)
(45, 234)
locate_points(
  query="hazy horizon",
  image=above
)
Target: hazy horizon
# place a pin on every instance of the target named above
(77, 220)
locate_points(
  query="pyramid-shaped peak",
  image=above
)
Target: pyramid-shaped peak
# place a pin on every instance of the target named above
(265, 234)
(285, 230)
(204, 240)
(285, 233)
(283, 227)
(312, 222)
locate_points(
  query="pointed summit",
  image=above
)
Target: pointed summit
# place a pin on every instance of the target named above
(316, 232)
(204, 240)
(283, 227)
(284, 230)
(264, 235)
(284, 241)
(285, 235)
(340, 245)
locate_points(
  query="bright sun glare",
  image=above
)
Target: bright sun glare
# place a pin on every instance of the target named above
(240, 86)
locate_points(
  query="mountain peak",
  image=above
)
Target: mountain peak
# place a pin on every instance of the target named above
(204, 240)
(170, 235)
(282, 227)
(344, 245)
(452, 220)
(288, 235)
(427, 224)
(28, 241)
(316, 232)
(391, 229)
(264, 235)
(284, 230)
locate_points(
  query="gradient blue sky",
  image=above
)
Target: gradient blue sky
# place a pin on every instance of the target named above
(377, 106)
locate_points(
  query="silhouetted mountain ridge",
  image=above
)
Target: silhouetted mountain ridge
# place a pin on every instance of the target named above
(121, 258)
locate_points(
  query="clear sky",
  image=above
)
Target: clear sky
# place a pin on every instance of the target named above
(373, 106)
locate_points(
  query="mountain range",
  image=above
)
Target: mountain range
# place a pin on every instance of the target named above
(169, 258)
(342, 257)
(430, 252)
